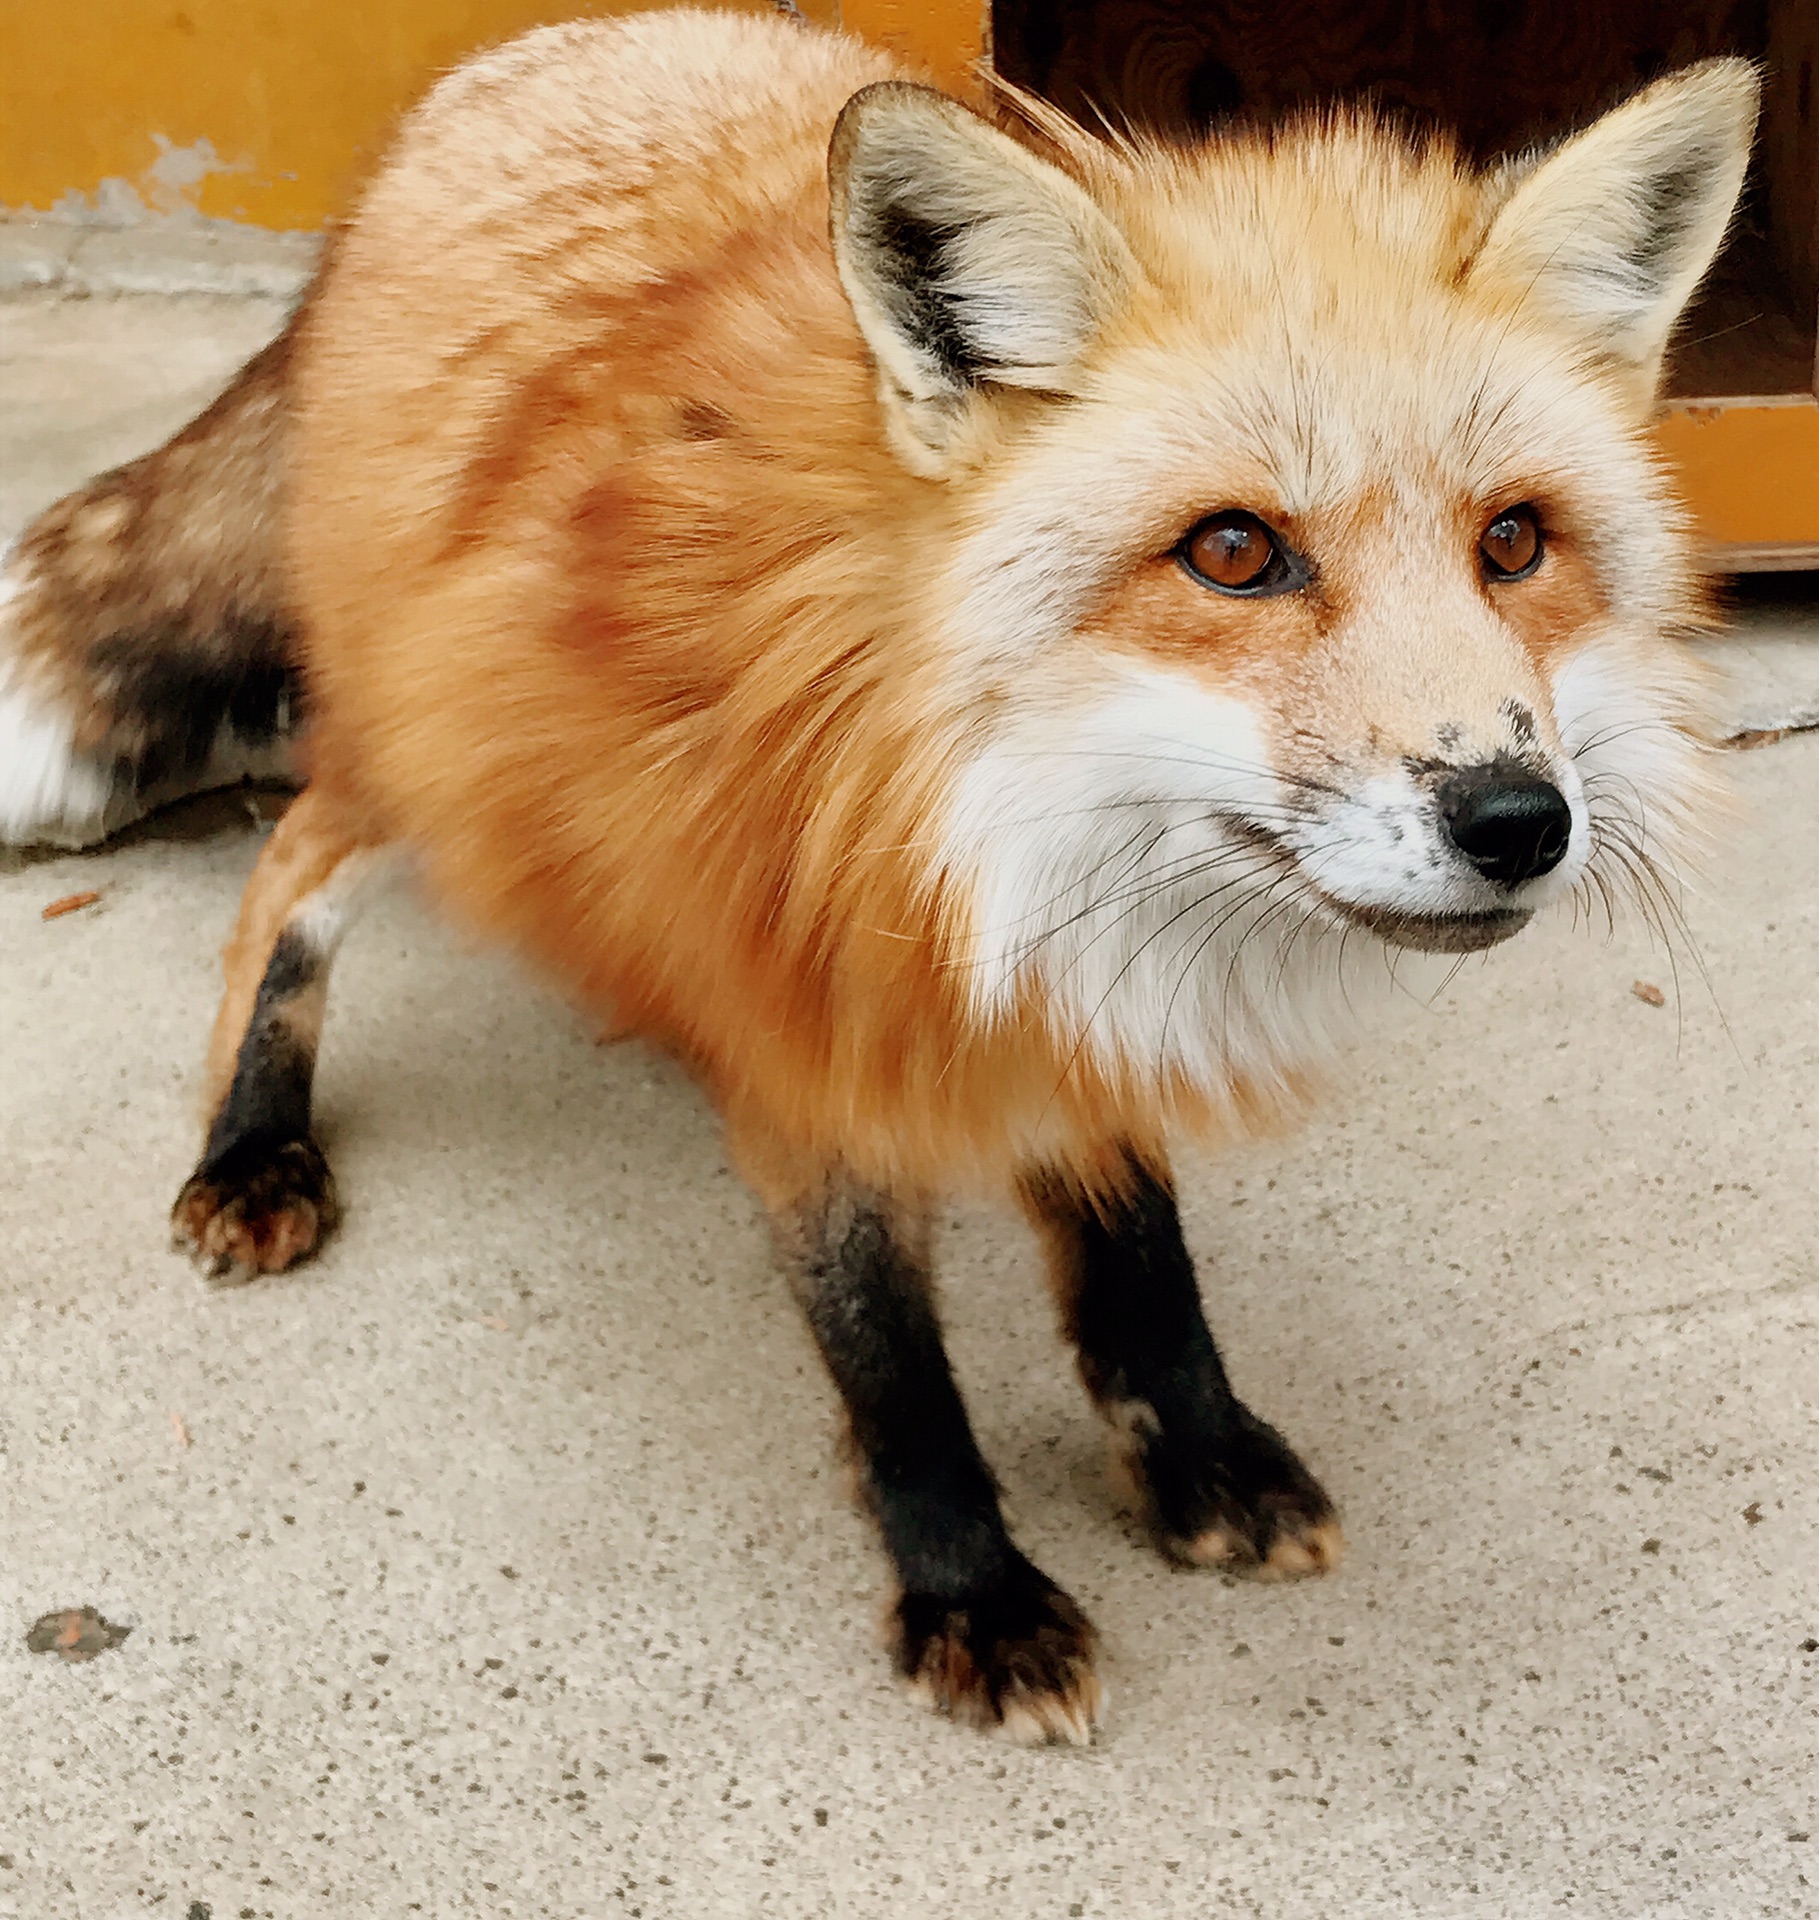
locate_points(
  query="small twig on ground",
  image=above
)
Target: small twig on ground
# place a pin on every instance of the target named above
(1753, 737)
(70, 903)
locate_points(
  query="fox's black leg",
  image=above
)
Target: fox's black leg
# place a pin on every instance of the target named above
(977, 1631)
(1221, 1487)
(262, 1197)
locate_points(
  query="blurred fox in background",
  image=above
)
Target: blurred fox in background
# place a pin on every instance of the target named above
(979, 642)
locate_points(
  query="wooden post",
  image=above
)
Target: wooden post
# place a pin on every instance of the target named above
(1749, 469)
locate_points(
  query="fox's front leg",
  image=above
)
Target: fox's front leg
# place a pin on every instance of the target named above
(1221, 1487)
(262, 1196)
(977, 1630)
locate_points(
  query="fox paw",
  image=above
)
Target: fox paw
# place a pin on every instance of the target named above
(258, 1207)
(1244, 1503)
(1017, 1657)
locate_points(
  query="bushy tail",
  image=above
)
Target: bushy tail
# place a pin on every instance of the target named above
(146, 648)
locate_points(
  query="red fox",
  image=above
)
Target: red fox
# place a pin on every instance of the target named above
(978, 639)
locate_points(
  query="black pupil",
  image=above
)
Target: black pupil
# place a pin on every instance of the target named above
(1235, 549)
(1507, 539)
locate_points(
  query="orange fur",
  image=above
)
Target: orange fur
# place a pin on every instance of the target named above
(639, 686)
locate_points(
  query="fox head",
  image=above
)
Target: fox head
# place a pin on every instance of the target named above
(1314, 585)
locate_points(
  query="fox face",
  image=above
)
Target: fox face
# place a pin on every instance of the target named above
(1324, 603)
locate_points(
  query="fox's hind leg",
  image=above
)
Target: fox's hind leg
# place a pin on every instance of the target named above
(262, 1196)
(977, 1631)
(1220, 1486)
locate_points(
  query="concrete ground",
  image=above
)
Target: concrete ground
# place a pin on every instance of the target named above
(498, 1563)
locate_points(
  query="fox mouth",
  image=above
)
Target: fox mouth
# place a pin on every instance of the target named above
(1436, 932)
(1419, 932)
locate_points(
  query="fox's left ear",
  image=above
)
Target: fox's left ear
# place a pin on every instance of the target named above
(1616, 227)
(970, 262)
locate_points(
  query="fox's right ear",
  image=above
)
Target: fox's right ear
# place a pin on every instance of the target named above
(970, 263)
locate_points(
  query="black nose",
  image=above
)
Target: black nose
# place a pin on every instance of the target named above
(1509, 823)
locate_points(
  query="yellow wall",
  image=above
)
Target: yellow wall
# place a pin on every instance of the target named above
(270, 110)
(292, 97)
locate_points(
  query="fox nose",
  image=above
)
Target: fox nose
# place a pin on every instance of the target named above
(1509, 823)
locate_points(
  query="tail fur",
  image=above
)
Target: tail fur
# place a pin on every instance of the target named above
(146, 646)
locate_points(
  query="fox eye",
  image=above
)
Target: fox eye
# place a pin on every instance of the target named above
(1236, 553)
(1511, 546)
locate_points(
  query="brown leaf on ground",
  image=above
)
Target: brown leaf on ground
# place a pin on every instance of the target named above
(79, 1633)
(70, 903)
(1648, 993)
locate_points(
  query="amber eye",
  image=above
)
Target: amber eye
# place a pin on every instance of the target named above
(1236, 553)
(1511, 545)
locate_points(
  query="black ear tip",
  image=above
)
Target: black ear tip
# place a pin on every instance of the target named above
(877, 123)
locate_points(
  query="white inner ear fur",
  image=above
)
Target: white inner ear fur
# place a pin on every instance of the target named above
(968, 261)
(1614, 229)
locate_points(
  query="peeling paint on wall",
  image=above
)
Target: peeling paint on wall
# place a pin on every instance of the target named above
(168, 188)
(310, 92)
(178, 172)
